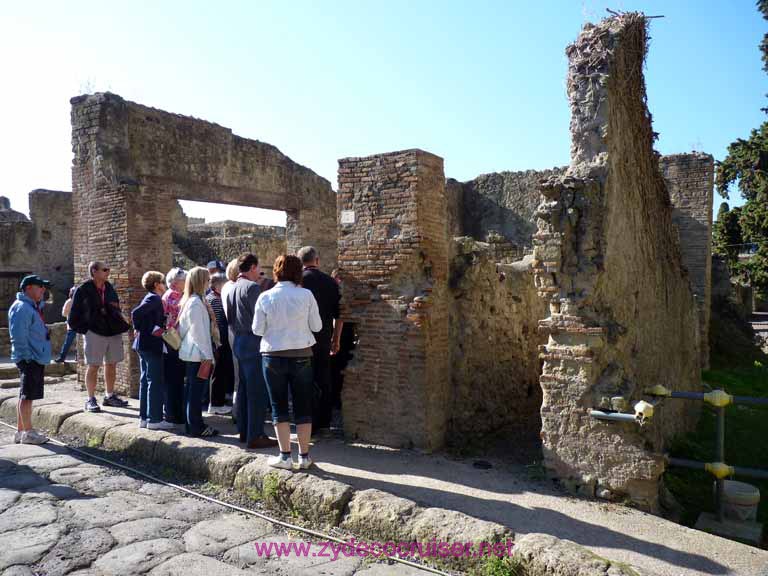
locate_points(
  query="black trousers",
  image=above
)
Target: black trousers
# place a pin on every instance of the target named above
(323, 402)
(223, 377)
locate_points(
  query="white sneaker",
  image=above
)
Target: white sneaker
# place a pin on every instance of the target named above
(33, 437)
(220, 410)
(17, 437)
(305, 462)
(162, 425)
(142, 423)
(280, 462)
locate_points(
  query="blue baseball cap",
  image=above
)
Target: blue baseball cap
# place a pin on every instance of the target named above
(34, 280)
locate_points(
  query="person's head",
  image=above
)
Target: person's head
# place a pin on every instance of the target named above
(99, 271)
(34, 287)
(215, 266)
(217, 281)
(248, 266)
(175, 279)
(288, 268)
(233, 270)
(308, 256)
(154, 281)
(195, 284)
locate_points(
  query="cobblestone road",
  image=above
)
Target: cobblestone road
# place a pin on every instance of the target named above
(61, 514)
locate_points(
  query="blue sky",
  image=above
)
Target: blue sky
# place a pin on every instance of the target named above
(480, 83)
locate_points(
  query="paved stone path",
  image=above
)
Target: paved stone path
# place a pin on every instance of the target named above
(60, 514)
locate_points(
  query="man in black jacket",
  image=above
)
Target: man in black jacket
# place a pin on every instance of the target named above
(96, 314)
(327, 294)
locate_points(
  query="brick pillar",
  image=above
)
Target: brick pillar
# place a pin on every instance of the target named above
(393, 250)
(115, 219)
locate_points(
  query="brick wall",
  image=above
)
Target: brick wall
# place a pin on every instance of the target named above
(133, 162)
(393, 249)
(690, 182)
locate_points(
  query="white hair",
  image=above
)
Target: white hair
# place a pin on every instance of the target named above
(173, 275)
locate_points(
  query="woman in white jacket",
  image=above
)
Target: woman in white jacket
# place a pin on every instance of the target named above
(196, 350)
(285, 318)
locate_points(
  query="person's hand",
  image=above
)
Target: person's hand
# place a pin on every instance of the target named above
(334, 347)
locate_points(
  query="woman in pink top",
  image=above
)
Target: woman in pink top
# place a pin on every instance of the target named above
(174, 367)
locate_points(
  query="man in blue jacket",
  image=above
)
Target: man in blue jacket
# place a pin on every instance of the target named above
(31, 351)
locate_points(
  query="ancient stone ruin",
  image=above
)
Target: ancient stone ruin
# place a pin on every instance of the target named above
(622, 314)
(40, 244)
(513, 303)
(131, 163)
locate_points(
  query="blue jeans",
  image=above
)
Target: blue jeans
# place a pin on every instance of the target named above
(252, 396)
(193, 400)
(71, 334)
(295, 374)
(151, 386)
(174, 387)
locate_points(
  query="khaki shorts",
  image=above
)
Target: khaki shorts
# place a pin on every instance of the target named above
(103, 349)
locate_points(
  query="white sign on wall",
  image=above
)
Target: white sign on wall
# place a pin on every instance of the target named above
(347, 216)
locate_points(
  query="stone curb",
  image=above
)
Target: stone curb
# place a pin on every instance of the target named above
(371, 514)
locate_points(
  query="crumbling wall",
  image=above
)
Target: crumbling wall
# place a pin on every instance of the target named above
(607, 260)
(227, 240)
(393, 250)
(131, 163)
(503, 204)
(51, 214)
(690, 181)
(41, 244)
(495, 367)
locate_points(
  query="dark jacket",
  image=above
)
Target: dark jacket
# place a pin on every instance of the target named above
(88, 312)
(328, 296)
(144, 318)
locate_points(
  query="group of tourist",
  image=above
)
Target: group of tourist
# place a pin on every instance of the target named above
(200, 335)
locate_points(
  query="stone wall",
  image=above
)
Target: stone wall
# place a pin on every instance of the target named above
(131, 163)
(607, 260)
(40, 245)
(393, 248)
(503, 204)
(51, 214)
(690, 182)
(495, 367)
(226, 240)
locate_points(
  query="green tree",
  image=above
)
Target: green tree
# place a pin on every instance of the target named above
(726, 234)
(746, 165)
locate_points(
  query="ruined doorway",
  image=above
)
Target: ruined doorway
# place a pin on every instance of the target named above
(132, 163)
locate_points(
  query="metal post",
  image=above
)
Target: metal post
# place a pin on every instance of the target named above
(719, 495)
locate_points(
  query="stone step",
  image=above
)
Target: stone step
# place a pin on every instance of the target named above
(8, 370)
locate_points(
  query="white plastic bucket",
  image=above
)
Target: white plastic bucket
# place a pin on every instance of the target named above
(740, 500)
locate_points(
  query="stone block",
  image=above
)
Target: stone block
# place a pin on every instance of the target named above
(376, 514)
(196, 565)
(200, 458)
(545, 555)
(138, 558)
(317, 500)
(50, 417)
(90, 428)
(134, 441)
(213, 537)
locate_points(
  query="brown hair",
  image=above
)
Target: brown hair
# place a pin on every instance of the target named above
(150, 279)
(288, 268)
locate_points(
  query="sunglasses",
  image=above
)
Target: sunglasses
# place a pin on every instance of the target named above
(103, 270)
